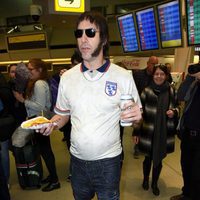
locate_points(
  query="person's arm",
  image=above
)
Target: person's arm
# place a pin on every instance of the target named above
(58, 121)
(40, 93)
(39, 97)
(136, 131)
(132, 109)
(174, 108)
(182, 90)
(136, 139)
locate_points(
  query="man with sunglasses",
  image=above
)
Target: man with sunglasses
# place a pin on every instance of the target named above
(93, 102)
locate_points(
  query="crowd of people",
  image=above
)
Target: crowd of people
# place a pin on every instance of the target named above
(88, 111)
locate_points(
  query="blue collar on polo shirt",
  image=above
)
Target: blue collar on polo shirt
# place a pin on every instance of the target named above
(101, 69)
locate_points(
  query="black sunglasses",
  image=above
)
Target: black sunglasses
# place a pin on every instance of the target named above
(90, 32)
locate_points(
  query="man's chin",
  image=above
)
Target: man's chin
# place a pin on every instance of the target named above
(86, 57)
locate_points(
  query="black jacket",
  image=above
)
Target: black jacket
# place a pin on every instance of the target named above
(185, 94)
(7, 121)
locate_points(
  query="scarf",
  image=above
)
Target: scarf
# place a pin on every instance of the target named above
(160, 125)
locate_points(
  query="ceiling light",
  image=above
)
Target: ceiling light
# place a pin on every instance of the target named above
(36, 27)
(13, 29)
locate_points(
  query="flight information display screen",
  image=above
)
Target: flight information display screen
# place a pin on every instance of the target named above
(169, 18)
(147, 29)
(128, 33)
(193, 21)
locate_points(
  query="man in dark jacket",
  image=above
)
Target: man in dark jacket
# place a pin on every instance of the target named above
(7, 126)
(144, 76)
(189, 127)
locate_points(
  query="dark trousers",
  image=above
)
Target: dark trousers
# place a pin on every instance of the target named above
(101, 177)
(147, 163)
(47, 155)
(190, 163)
(4, 192)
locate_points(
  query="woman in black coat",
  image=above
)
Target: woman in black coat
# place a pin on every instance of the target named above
(158, 128)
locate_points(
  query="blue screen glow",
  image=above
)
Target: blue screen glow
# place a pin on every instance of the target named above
(170, 24)
(128, 33)
(147, 29)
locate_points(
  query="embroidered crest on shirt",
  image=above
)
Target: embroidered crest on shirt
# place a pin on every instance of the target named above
(111, 88)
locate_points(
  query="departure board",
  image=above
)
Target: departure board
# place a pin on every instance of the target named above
(193, 21)
(147, 29)
(27, 41)
(169, 18)
(128, 33)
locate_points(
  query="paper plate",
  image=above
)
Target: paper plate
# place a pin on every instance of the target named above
(39, 126)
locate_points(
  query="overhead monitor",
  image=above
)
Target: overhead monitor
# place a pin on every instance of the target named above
(169, 21)
(127, 32)
(147, 30)
(193, 21)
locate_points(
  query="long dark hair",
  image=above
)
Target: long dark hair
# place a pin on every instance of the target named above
(37, 64)
(101, 23)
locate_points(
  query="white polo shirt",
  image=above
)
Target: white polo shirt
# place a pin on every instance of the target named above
(93, 101)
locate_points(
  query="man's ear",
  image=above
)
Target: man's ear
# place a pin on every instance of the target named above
(104, 43)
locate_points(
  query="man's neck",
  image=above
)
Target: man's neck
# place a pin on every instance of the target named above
(94, 64)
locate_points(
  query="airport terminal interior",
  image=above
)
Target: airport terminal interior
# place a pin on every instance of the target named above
(170, 181)
(58, 44)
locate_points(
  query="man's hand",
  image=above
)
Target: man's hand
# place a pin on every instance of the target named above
(170, 113)
(57, 121)
(18, 96)
(136, 139)
(62, 71)
(131, 112)
(47, 130)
